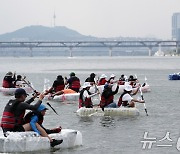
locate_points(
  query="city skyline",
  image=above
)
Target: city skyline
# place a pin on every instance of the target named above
(102, 18)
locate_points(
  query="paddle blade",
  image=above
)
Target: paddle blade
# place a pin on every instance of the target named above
(145, 78)
(52, 108)
(146, 112)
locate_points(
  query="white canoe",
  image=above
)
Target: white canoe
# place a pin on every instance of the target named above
(10, 91)
(146, 88)
(122, 111)
(63, 97)
(30, 141)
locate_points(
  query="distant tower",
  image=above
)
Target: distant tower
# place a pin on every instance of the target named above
(54, 18)
(176, 26)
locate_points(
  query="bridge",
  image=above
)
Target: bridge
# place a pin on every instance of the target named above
(91, 44)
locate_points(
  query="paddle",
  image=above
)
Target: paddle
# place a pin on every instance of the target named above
(37, 92)
(97, 89)
(143, 99)
(51, 107)
(28, 83)
(145, 82)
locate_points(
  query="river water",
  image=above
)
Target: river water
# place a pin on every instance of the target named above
(106, 134)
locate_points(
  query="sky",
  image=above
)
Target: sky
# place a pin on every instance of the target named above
(100, 18)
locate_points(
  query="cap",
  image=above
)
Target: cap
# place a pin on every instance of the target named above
(19, 76)
(92, 74)
(72, 74)
(103, 76)
(59, 77)
(9, 74)
(20, 92)
(42, 107)
(106, 86)
(86, 84)
(112, 76)
(128, 88)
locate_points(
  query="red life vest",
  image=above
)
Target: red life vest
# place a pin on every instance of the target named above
(102, 81)
(121, 82)
(59, 88)
(85, 103)
(6, 84)
(75, 84)
(120, 102)
(104, 102)
(9, 119)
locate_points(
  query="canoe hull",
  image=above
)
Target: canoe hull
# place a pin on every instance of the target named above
(63, 97)
(30, 141)
(11, 91)
(122, 111)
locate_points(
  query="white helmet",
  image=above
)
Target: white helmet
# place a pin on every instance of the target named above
(103, 76)
(86, 84)
(128, 88)
(112, 76)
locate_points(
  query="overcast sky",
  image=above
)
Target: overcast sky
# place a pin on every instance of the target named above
(101, 18)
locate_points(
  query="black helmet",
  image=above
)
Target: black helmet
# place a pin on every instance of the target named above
(92, 75)
(59, 77)
(19, 76)
(72, 74)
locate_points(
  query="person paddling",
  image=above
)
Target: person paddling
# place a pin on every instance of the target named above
(34, 120)
(19, 82)
(85, 96)
(73, 82)
(8, 81)
(112, 79)
(107, 97)
(57, 86)
(126, 99)
(102, 80)
(91, 79)
(14, 111)
(121, 80)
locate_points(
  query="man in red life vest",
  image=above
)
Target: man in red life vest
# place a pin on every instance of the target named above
(12, 118)
(8, 80)
(58, 85)
(73, 82)
(107, 97)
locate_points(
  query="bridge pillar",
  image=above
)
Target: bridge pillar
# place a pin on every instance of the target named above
(150, 51)
(70, 51)
(31, 52)
(110, 51)
(177, 48)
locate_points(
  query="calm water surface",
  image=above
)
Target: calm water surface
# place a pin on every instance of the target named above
(106, 134)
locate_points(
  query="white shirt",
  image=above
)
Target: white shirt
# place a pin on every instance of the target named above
(20, 83)
(86, 95)
(127, 97)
